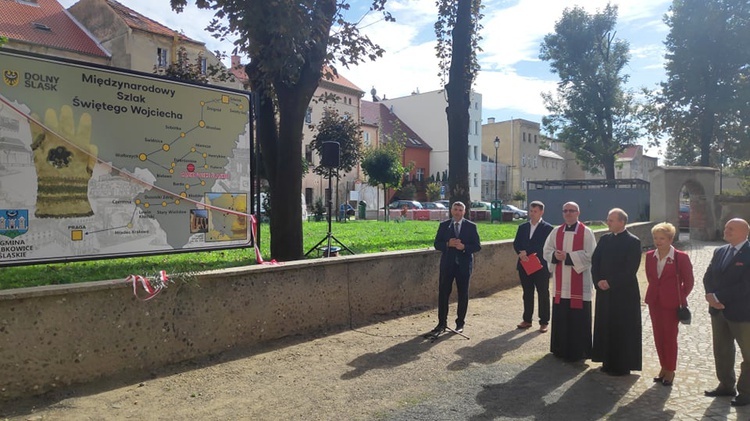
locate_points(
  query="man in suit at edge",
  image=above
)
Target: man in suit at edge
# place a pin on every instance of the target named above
(530, 238)
(458, 240)
(727, 284)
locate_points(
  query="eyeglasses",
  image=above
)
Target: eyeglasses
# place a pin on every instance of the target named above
(570, 210)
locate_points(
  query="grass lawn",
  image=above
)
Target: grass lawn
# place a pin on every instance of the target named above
(360, 236)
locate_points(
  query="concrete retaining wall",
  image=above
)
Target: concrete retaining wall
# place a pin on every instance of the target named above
(59, 335)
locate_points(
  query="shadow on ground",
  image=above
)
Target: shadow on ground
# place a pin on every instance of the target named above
(549, 389)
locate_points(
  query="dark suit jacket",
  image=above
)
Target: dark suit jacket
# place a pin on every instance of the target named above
(662, 291)
(468, 236)
(732, 285)
(534, 244)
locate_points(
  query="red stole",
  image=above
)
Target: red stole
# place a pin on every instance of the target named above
(576, 279)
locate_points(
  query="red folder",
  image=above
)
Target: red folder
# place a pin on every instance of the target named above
(532, 265)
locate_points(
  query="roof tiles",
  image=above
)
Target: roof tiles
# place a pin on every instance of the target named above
(46, 23)
(138, 21)
(378, 114)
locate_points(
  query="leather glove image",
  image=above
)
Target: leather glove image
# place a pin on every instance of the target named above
(63, 170)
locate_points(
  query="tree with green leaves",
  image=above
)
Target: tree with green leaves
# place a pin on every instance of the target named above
(382, 166)
(288, 43)
(457, 30)
(195, 70)
(591, 113)
(703, 105)
(433, 191)
(343, 130)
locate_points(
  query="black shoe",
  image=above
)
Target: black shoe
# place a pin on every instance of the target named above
(719, 392)
(459, 328)
(434, 333)
(740, 400)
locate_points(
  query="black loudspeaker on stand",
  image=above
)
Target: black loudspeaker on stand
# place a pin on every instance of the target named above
(330, 157)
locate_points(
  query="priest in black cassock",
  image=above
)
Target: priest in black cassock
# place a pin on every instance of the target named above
(617, 318)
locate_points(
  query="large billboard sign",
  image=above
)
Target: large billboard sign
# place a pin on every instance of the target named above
(96, 162)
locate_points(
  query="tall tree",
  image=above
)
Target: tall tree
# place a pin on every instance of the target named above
(457, 30)
(288, 43)
(703, 104)
(591, 114)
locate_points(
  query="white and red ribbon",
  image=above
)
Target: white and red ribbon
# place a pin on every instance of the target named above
(152, 286)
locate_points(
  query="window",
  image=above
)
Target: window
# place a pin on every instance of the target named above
(309, 196)
(308, 115)
(476, 127)
(476, 153)
(524, 136)
(534, 138)
(420, 174)
(161, 57)
(309, 153)
(523, 161)
(476, 180)
(204, 65)
(41, 26)
(367, 138)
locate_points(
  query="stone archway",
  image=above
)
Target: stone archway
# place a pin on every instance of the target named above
(700, 182)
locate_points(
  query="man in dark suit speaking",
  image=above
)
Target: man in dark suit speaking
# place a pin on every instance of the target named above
(458, 239)
(727, 283)
(530, 238)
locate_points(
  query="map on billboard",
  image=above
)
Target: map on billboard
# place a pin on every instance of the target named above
(100, 163)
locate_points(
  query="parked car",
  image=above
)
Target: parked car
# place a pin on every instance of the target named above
(481, 206)
(446, 203)
(434, 206)
(517, 213)
(410, 204)
(684, 216)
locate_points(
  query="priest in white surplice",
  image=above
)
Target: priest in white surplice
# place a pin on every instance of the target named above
(568, 250)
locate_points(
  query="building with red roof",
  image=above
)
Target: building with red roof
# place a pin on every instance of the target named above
(380, 124)
(45, 27)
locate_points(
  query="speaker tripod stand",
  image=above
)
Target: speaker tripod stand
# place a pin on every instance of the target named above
(329, 236)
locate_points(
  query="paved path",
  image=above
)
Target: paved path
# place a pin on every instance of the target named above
(386, 371)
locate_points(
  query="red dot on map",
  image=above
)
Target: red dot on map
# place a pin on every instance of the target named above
(191, 167)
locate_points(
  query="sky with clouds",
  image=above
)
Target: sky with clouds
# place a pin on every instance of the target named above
(511, 78)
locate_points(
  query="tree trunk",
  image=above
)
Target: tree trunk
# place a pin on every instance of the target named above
(609, 167)
(458, 89)
(281, 144)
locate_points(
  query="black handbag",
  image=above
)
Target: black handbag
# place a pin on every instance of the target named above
(683, 313)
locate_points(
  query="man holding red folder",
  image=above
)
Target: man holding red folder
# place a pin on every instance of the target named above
(532, 268)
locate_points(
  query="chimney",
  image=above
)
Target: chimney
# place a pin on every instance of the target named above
(490, 120)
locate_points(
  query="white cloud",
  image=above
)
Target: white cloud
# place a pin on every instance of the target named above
(507, 90)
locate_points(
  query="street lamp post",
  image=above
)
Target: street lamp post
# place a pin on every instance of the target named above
(721, 167)
(497, 145)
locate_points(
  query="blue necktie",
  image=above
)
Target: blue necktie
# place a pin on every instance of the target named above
(728, 258)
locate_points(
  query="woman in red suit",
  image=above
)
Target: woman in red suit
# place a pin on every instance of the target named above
(670, 280)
